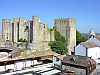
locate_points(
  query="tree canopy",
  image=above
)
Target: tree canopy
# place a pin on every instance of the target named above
(80, 38)
(60, 44)
(22, 40)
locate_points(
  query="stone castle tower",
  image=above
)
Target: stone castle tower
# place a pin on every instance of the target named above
(7, 29)
(41, 34)
(67, 28)
(18, 28)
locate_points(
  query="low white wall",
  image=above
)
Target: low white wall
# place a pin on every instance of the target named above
(94, 52)
(29, 63)
(80, 50)
(2, 68)
(19, 65)
(11, 66)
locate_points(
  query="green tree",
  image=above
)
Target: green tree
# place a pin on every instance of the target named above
(80, 38)
(22, 40)
(60, 44)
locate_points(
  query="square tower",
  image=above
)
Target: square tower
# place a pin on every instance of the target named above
(67, 28)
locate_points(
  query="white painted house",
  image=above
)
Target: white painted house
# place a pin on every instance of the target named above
(90, 48)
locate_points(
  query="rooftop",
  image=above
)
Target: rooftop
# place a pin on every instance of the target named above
(77, 60)
(98, 37)
(89, 44)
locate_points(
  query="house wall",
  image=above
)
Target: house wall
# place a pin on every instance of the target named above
(91, 52)
(80, 50)
(94, 52)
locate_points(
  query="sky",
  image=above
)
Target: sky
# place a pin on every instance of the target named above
(86, 12)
